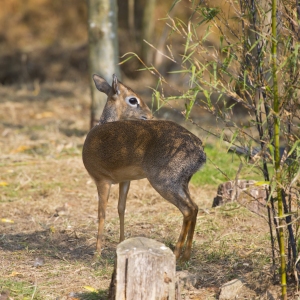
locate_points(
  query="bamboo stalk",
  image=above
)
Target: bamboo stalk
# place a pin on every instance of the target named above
(276, 152)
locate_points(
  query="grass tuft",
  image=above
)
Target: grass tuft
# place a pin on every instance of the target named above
(19, 290)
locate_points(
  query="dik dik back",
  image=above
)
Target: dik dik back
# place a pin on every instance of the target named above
(146, 145)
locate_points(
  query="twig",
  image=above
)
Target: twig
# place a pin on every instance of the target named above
(35, 287)
(218, 168)
(168, 57)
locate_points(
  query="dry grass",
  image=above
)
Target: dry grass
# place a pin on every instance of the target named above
(47, 194)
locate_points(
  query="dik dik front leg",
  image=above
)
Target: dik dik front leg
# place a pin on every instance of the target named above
(123, 191)
(103, 188)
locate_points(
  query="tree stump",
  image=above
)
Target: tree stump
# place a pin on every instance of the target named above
(245, 192)
(144, 269)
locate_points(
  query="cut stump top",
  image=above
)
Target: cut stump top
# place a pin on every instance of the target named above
(142, 244)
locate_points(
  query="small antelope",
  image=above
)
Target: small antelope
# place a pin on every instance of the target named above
(128, 145)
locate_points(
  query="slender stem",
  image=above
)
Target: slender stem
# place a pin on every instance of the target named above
(276, 151)
(259, 120)
(288, 219)
(298, 18)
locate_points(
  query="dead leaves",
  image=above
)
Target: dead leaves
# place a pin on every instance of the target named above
(43, 115)
(4, 220)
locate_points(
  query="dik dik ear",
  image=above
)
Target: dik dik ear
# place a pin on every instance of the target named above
(115, 85)
(101, 84)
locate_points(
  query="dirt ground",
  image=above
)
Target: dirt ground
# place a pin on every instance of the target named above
(48, 211)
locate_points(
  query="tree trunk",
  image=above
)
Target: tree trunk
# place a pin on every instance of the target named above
(103, 49)
(147, 31)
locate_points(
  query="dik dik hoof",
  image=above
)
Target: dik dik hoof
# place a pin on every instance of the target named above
(182, 256)
(96, 256)
(177, 253)
(98, 248)
(185, 256)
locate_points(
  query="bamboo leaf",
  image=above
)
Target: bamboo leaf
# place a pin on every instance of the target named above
(126, 59)
(173, 4)
(187, 57)
(187, 42)
(294, 147)
(261, 183)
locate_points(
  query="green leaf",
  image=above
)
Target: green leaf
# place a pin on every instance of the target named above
(125, 60)
(294, 147)
(189, 106)
(261, 183)
(193, 74)
(187, 57)
(173, 4)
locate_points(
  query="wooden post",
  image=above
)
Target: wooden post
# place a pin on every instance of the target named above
(145, 269)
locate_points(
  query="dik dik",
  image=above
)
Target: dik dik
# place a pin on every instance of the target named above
(128, 145)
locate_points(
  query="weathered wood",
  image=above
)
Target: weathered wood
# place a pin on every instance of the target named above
(145, 269)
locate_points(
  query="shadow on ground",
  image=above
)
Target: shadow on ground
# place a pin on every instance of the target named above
(61, 245)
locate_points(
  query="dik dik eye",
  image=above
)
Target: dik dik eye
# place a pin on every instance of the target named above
(132, 101)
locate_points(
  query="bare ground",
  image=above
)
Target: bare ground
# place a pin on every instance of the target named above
(48, 210)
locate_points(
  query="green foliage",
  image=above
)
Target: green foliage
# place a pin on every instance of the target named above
(208, 13)
(219, 159)
(249, 82)
(99, 295)
(19, 290)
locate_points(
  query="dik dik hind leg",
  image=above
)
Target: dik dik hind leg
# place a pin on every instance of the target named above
(103, 188)
(189, 210)
(123, 191)
(179, 196)
(191, 227)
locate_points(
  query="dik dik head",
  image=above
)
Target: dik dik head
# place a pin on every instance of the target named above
(122, 103)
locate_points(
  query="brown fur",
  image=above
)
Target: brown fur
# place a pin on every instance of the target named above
(118, 150)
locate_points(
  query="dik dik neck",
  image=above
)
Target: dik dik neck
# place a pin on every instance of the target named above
(109, 114)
